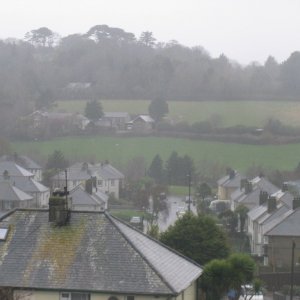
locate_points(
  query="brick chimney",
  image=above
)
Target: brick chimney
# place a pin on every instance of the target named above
(59, 208)
(243, 183)
(89, 186)
(271, 204)
(231, 174)
(248, 187)
(263, 197)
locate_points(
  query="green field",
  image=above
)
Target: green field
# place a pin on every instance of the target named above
(249, 113)
(120, 150)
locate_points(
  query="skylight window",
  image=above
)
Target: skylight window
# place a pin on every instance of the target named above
(3, 234)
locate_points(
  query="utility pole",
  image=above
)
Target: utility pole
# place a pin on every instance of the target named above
(292, 269)
(189, 178)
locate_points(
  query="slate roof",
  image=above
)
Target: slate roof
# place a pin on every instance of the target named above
(94, 252)
(14, 169)
(107, 171)
(84, 171)
(252, 198)
(261, 212)
(22, 160)
(269, 217)
(26, 184)
(288, 225)
(116, 114)
(234, 182)
(145, 118)
(81, 197)
(274, 221)
(9, 192)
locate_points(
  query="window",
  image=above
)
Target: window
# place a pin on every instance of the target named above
(74, 296)
(7, 205)
(112, 182)
(3, 234)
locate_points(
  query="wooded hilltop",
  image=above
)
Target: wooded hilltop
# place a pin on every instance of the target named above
(109, 63)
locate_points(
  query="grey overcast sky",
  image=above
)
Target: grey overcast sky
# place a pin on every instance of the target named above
(244, 30)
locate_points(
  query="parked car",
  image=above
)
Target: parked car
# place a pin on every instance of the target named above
(180, 211)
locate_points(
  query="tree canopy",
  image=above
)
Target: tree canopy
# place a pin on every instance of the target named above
(158, 108)
(197, 237)
(221, 275)
(93, 110)
(57, 160)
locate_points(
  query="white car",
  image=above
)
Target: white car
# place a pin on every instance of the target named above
(180, 211)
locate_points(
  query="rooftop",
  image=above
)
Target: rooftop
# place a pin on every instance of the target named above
(94, 252)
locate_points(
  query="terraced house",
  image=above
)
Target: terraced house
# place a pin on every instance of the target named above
(88, 256)
(106, 178)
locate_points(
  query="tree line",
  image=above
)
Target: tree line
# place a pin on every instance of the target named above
(110, 63)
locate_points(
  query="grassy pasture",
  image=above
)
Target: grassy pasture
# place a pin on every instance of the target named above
(249, 113)
(120, 150)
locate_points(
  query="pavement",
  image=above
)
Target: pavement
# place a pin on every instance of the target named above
(268, 296)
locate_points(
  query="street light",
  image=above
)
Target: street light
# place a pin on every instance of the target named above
(292, 269)
(189, 179)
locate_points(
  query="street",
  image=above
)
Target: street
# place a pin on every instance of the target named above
(167, 218)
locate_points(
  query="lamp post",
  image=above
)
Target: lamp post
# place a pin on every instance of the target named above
(189, 179)
(292, 269)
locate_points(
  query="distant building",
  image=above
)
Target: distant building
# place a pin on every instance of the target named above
(142, 124)
(83, 200)
(29, 193)
(249, 191)
(105, 177)
(25, 162)
(115, 120)
(228, 184)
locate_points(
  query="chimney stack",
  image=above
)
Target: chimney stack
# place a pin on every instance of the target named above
(248, 187)
(271, 204)
(263, 197)
(243, 183)
(59, 208)
(231, 174)
(89, 186)
(296, 203)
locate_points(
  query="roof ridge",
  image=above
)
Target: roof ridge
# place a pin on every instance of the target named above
(110, 218)
(157, 241)
(154, 240)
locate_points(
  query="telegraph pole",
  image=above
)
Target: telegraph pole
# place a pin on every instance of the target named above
(292, 269)
(189, 206)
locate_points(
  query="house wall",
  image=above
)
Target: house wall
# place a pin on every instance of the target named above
(142, 126)
(41, 199)
(37, 174)
(280, 249)
(87, 207)
(109, 186)
(224, 193)
(188, 294)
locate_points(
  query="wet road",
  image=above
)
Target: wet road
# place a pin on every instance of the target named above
(167, 218)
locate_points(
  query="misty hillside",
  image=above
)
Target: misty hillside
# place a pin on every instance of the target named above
(109, 63)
